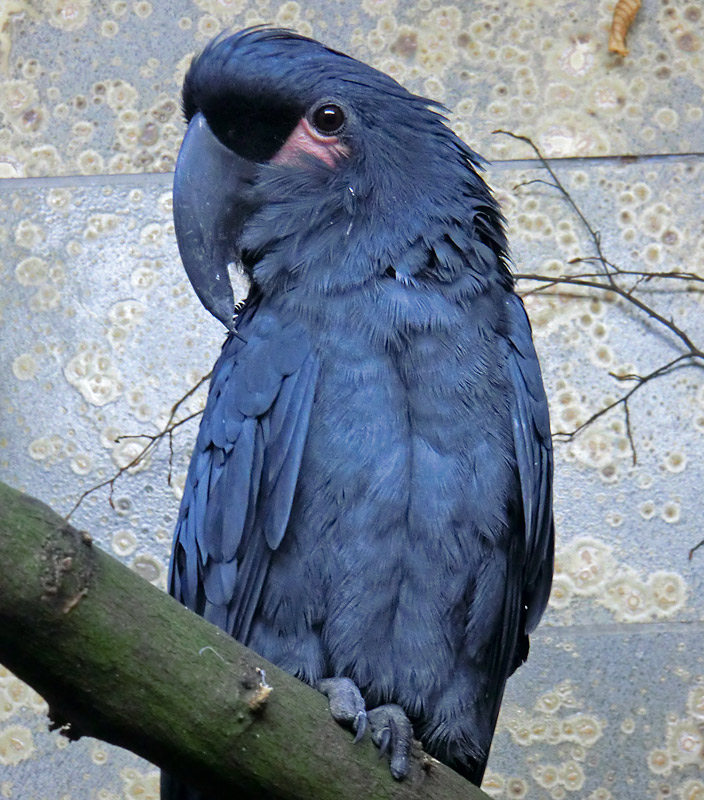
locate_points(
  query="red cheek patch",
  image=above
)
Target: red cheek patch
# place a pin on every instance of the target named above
(305, 140)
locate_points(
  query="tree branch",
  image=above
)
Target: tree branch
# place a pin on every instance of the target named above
(120, 660)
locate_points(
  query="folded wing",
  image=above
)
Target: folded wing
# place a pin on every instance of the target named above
(533, 447)
(243, 473)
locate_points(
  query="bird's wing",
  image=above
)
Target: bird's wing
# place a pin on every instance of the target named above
(244, 468)
(533, 447)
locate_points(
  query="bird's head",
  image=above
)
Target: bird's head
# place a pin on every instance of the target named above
(302, 163)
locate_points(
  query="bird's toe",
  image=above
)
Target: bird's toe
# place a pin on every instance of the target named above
(392, 733)
(346, 704)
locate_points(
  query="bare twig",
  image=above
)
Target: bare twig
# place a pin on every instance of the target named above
(695, 548)
(557, 183)
(151, 445)
(626, 294)
(641, 380)
(676, 276)
(607, 281)
(155, 438)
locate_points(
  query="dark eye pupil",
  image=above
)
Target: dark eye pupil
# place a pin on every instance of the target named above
(328, 119)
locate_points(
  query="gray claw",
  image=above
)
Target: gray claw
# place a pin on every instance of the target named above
(359, 726)
(383, 741)
(392, 733)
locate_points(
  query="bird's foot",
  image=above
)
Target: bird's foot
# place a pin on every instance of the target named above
(391, 729)
(392, 733)
(346, 704)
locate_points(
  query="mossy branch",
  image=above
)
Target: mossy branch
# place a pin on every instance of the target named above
(118, 659)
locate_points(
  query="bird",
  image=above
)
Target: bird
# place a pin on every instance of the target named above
(369, 499)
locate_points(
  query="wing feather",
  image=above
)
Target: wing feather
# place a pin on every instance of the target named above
(281, 482)
(244, 470)
(533, 446)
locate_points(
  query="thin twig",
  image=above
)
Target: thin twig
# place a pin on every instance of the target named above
(151, 445)
(679, 276)
(695, 548)
(640, 381)
(595, 235)
(607, 281)
(155, 437)
(612, 286)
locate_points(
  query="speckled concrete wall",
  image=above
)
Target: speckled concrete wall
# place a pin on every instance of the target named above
(101, 334)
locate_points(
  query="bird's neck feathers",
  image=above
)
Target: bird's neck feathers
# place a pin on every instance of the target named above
(316, 231)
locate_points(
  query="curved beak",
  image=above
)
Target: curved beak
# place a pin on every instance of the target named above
(208, 214)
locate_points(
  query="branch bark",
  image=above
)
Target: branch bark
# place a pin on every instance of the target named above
(119, 660)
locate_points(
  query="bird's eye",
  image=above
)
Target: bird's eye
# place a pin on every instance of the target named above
(328, 119)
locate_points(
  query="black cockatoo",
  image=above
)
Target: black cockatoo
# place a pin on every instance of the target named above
(368, 503)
